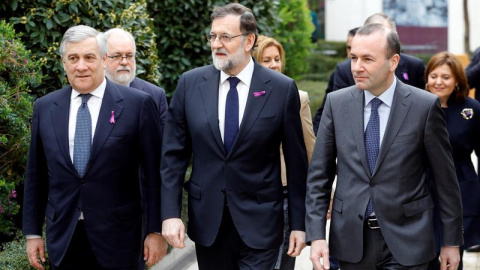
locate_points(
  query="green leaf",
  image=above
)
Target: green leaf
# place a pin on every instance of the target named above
(14, 5)
(73, 6)
(48, 24)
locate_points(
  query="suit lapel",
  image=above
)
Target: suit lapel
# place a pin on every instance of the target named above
(209, 93)
(254, 104)
(400, 106)
(356, 122)
(60, 118)
(110, 103)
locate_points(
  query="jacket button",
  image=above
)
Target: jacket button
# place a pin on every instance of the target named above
(360, 217)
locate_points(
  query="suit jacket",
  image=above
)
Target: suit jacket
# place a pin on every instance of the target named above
(109, 193)
(249, 176)
(410, 70)
(308, 135)
(415, 142)
(158, 95)
(473, 73)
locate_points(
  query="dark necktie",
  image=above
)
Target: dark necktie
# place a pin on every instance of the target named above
(372, 142)
(83, 136)
(231, 115)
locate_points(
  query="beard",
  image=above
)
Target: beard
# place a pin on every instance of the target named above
(121, 78)
(230, 62)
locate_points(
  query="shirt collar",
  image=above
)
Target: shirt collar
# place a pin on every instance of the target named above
(98, 92)
(245, 75)
(386, 97)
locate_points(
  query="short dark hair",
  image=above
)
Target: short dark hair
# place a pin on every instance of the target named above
(393, 42)
(248, 23)
(352, 32)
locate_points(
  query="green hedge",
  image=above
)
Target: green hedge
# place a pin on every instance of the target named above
(18, 75)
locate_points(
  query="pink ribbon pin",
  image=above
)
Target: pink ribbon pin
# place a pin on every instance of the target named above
(112, 118)
(405, 76)
(257, 94)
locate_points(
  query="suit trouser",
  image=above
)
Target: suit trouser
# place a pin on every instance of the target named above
(376, 254)
(229, 252)
(79, 255)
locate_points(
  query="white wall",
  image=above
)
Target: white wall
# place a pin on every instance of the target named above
(343, 15)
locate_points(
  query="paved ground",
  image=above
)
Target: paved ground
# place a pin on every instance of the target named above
(186, 260)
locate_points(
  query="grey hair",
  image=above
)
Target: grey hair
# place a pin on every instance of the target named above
(80, 33)
(122, 32)
(393, 42)
(381, 17)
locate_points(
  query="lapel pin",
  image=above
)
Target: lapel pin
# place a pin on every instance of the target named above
(405, 76)
(257, 94)
(112, 118)
(467, 113)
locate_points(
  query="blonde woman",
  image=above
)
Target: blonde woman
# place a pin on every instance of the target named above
(269, 53)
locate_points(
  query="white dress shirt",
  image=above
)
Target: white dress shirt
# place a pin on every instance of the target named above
(243, 87)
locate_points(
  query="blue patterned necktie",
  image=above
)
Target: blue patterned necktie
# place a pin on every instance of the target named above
(83, 136)
(231, 115)
(372, 142)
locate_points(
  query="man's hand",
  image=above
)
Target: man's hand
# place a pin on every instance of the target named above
(36, 252)
(319, 249)
(296, 243)
(449, 258)
(174, 232)
(154, 248)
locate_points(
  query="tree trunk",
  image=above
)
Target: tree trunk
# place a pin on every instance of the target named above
(467, 27)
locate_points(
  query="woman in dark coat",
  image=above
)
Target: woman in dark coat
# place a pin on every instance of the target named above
(446, 78)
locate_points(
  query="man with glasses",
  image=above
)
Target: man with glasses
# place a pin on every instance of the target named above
(231, 117)
(121, 67)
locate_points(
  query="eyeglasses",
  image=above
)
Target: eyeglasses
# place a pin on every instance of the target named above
(222, 38)
(119, 57)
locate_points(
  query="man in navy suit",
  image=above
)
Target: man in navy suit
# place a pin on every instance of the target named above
(235, 196)
(121, 67)
(89, 192)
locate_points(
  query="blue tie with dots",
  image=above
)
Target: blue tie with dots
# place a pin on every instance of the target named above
(231, 115)
(83, 136)
(372, 142)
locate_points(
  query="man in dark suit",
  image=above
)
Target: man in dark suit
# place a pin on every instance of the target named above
(386, 137)
(89, 141)
(318, 113)
(473, 73)
(410, 70)
(232, 117)
(121, 67)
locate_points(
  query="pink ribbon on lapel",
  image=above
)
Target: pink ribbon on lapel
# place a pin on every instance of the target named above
(257, 94)
(112, 118)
